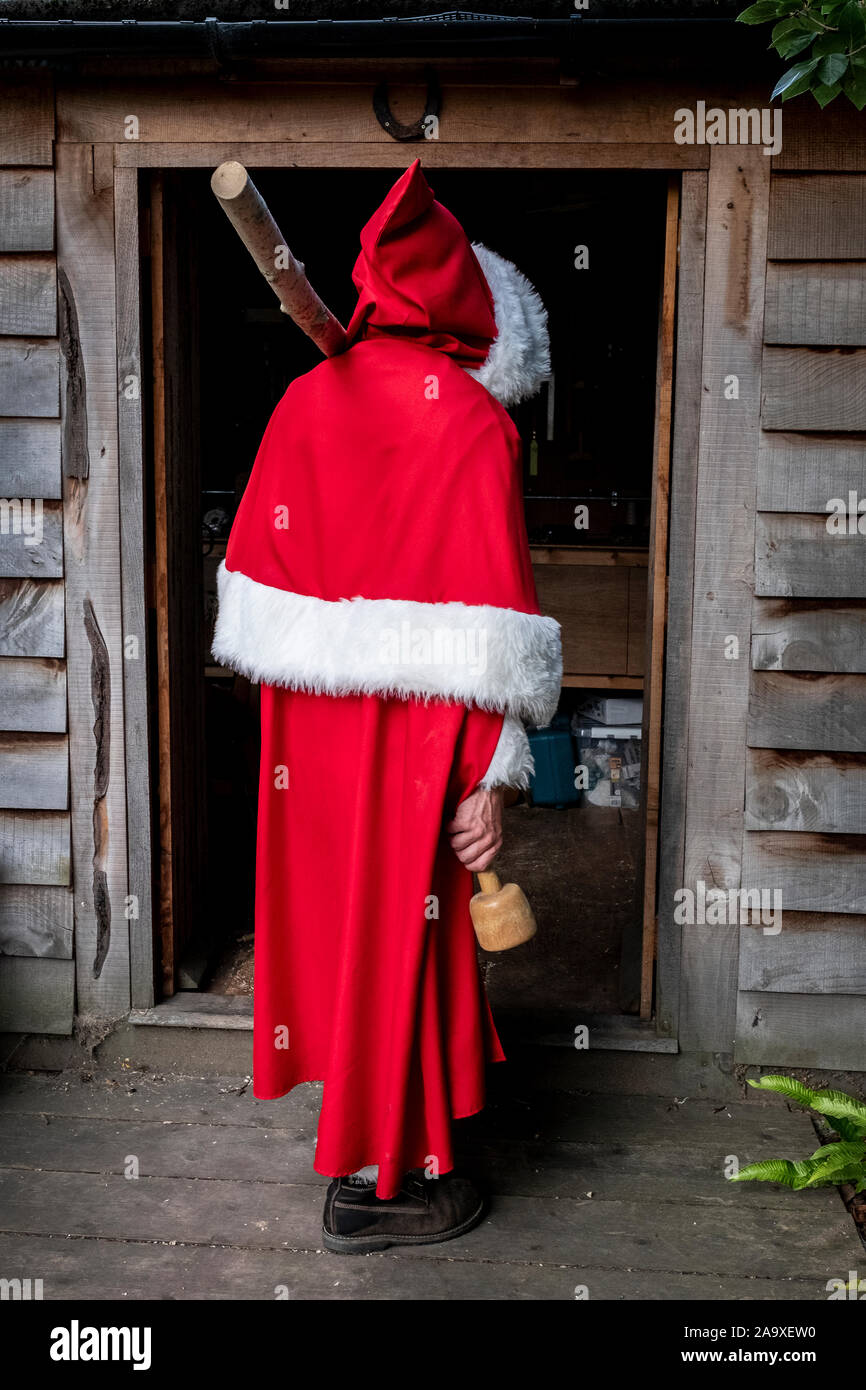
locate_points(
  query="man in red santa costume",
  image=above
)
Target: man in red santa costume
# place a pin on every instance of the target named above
(378, 585)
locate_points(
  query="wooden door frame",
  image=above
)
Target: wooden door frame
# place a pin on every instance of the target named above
(686, 393)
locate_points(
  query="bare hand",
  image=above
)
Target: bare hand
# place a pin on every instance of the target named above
(476, 830)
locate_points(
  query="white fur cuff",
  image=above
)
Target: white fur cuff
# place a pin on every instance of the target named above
(492, 658)
(512, 764)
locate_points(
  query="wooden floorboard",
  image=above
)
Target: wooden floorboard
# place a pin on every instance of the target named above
(129, 1270)
(623, 1193)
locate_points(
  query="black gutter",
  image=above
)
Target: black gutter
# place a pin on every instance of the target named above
(580, 37)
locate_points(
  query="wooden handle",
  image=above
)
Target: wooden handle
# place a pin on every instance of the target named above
(248, 213)
(489, 882)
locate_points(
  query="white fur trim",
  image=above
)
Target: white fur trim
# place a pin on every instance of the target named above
(512, 763)
(494, 658)
(519, 359)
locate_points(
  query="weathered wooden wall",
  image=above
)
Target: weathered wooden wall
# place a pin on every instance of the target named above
(36, 901)
(62, 782)
(802, 992)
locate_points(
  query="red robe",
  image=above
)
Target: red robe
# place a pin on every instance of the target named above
(378, 584)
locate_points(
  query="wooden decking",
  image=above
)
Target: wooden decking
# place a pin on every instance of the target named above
(606, 1172)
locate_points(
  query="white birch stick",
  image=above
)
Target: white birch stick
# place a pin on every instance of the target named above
(248, 213)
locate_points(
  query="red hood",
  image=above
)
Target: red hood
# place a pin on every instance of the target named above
(418, 277)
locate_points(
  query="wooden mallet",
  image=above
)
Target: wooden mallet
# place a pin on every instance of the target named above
(501, 915)
(248, 213)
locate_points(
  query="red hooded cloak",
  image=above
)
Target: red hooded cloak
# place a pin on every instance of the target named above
(377, 583)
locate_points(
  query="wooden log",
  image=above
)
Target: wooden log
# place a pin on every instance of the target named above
(85, 251)
(34, 772)
(31, 538)
(801, 1030)
(813, 389)
(819, 218)
(816, 303)
(806, 791)
(35, 921)
(814, 953)
(29, 379)
(30, 458)
(34, 847)
(245, 208)
(797, 557)
(36, 996)
(28, 295)
(814, 873)
(31, 618)
(32, 695)
(26, 210)
(27, 128)
(724, 555)
(799, 472)
(799, 635)
(820, 713)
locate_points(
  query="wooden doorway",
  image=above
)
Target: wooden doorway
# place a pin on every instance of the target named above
(183, 437)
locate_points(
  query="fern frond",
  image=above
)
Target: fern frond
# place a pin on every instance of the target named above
(848, 1115)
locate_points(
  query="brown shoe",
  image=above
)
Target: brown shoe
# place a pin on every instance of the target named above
(424, 1211)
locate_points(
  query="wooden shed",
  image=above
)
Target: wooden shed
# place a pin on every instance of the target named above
(722, 345)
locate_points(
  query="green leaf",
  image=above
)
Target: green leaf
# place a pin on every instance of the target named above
(785, 26)
(797, 76)
(759, 13)
(780, 1170)
(854, 87)
(831, 68)
(829, 43)
(825, 93)
(793, 44)
(837, 1105)
(852, 20)
(828, 1166)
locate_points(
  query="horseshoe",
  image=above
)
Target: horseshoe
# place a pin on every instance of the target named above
(396, 129)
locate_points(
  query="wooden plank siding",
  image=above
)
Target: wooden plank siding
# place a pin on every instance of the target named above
(27, 128)
(30, 458)
(85, 256)
(800, 473)
(681, 563)
(802, 988)
(31, 538)
(35, 921)
(127, 233)
(804, 635)
(724, 546)
(36, 936)
(799, 557)
(28, 295)
(822, 303)
(33, 695)
(26, 210)
(34, 772)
